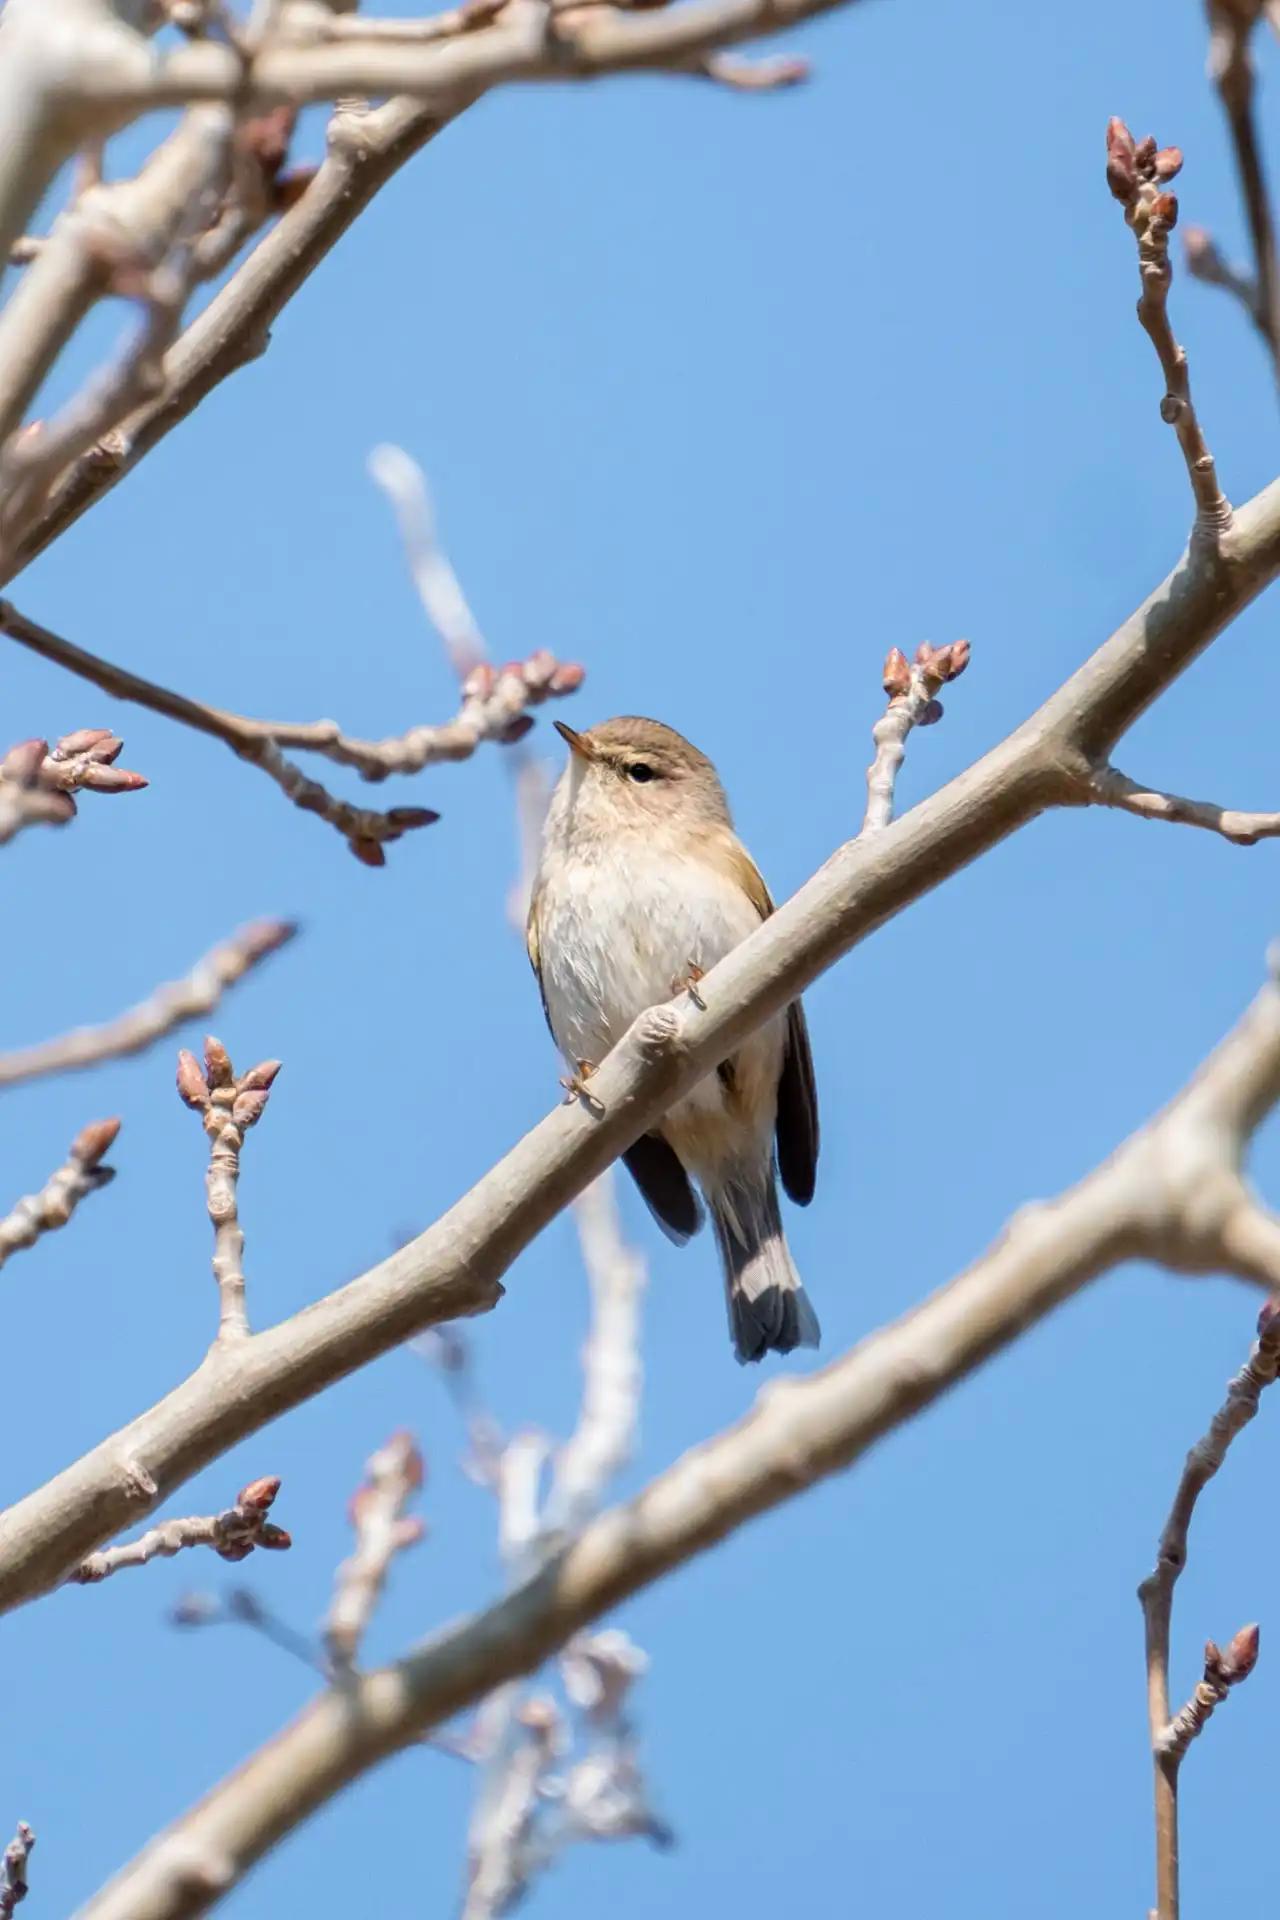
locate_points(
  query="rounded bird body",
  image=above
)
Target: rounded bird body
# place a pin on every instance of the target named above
(642, 885)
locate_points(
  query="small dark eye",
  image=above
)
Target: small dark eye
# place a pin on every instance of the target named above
(640, 770)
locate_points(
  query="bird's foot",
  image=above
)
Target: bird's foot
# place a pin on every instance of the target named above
(688, 983)
(576, 1088)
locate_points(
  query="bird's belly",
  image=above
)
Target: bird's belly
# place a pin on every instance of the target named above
(612, 945)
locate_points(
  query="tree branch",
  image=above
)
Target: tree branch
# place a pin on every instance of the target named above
(1115, 789)
(13, 1871)
(1163, 1194)
(230, 1105)
(168, 1007)
(1138, 176)
(81, 1175)
(233, 1534)
(911, 688)
(1171, 1736)
(1231, 27)
(382, 1529)
(494, 708)
(454, 1267)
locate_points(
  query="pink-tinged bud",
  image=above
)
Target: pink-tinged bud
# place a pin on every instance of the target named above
(274, 1538)
(1168, 163)
(248, 1108)
(410, 1531)
(93, 1141)
(957, 656)
(1144, 151)
(217, 1063)
(1164, 208)
(106, 779)
(931, 715)
(403, 818)
(193, 1088)
(479, 683)
(83, 740)
(259, 1078)
(368, 852)
(1241, 1656)
(540, 1716)
(1122, 176)
(259, 1493)
(22, 763)
(568, 677)
(1119, 138)
(539, 669)
(897, 672)
(516, 729)
(512, 670)
(1267, 1316)
(1212, 1659)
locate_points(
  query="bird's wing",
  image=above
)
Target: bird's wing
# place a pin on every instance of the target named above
(664, 1186)
(535, 961)
(797, 1125)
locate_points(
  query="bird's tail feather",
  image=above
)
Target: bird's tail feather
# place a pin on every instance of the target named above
(769, 1310)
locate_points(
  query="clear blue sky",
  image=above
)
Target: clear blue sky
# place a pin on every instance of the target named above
(723, 397)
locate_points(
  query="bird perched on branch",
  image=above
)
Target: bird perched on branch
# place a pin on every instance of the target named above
(643, 885)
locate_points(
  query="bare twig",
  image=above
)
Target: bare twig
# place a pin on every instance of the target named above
(168, 1007)
(233, 1534)
(1167, 1193)
(382, 1529)
(911, 687)
(602, 1444)
(1138, 176)
(494, 708)
(1170, 1736)
(1231, 26)
(37, 780)
(82, 1174)
(229, 1105)
(1115, 789)
(13, 1870)
(501, 1846)
(365, 151)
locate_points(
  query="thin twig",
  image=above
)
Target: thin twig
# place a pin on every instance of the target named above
(1170, 1736)
(382, 1529)
(168, 1007)
(1231, 68)
(1138, 175)
(494, 708)
(13, 1870)
(81, 1175)
(1115, 789)
(229, 1106)
(233, 1534)
(911, 687)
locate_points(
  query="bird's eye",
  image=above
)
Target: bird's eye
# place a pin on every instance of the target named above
(640, 770)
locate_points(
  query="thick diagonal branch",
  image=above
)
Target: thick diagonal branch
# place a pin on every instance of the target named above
(454, 1268)
(1163, 1194)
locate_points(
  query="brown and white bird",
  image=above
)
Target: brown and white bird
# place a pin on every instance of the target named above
(643, 885)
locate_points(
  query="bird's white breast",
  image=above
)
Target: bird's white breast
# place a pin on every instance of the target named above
(618, 932)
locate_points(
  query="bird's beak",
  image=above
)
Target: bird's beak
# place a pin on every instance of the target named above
(576, 742)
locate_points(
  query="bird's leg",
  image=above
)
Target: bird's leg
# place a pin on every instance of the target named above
(688, 983)
(576, 1088)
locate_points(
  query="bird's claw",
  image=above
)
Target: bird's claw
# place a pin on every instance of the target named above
(688, 983)
(576, 1088)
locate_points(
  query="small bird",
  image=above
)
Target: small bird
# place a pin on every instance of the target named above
(642, 885)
